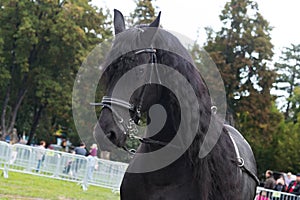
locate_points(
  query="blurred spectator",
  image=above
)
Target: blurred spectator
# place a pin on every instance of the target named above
(262, 196)
(92, 161)
(294, 186)
(288, 178)
(64, 145)
(270, 181)
(14, 155)
(68, 166)
(280, 185)
(7, 138)
(94, 150)
(40, 154)
(14, 136)
(80, 150)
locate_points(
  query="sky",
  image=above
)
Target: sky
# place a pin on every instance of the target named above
(190, 17)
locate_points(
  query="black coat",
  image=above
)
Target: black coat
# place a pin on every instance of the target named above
(296, 190)
(280, 187)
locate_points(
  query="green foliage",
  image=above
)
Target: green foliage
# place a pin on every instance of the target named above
(287, 150)
(295, 100)
(288, 70)
(241, 50)
(42, 45)
(144, 12)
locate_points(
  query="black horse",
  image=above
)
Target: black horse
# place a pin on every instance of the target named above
(228, 171)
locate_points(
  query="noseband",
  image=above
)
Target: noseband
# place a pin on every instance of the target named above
(129, 127)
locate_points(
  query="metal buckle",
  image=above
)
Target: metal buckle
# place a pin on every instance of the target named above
(241, 161)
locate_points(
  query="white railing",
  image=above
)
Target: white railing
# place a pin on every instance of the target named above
(60, 165)
(266, 194)
(83, 170)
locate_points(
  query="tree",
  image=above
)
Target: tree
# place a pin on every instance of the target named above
(144, 12)
(287, 148)
(295, 108)
(42, 45)
(241, 51)
(289, 76)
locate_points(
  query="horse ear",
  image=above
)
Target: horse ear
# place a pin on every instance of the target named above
(119, 22)
(150, 33)
(155, 23)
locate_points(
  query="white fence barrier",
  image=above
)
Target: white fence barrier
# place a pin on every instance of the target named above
(60, 165)
(265, 194)
(83, 170)
(4, 158)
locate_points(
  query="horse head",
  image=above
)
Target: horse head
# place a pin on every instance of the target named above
(134, 84)
(121, 113)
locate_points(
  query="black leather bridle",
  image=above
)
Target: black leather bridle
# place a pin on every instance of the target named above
(129, 127)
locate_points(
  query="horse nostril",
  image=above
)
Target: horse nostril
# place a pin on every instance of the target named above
(111, 135)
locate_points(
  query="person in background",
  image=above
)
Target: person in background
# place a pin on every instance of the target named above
(288, 178)
(40, 154)
(14, 137)
(64, 145)
(68, 166)
(262, 196)
(294, 186)
(92, 161)
(94, 150)
(270, 181)
(280, 184)
(79, 151)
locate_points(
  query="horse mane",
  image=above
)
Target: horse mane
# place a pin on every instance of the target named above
(183, 64)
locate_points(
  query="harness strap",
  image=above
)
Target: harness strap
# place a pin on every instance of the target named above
(118, 102)
(240, 161)
(251, 174)
(120, 119)
(130, 151)
(148, 50)
(151, 141)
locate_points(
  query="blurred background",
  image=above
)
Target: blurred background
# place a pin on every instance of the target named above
(255, 45)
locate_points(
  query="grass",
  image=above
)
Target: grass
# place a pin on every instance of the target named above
(30, 187)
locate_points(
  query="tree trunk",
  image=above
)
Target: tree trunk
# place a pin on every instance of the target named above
(8, 130)
(3, 115)
(36, 119)
(14, 113)
(5, 132)
(287, 111)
